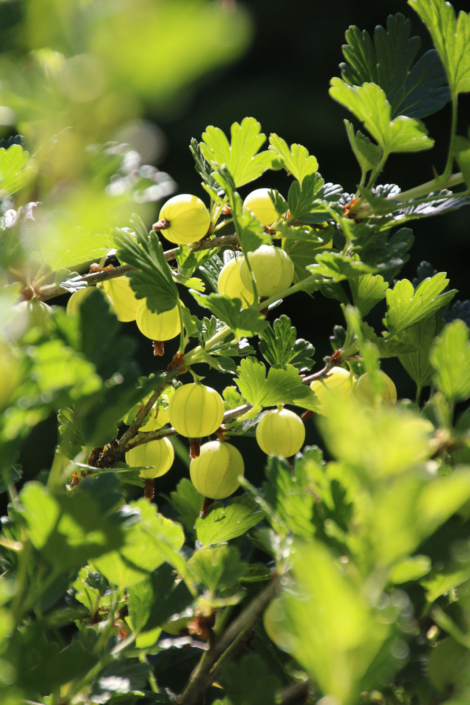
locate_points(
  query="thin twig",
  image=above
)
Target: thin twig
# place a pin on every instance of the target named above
(203, 675)
(148, 436)
(295, 694)
(117, 449)
(52, 290)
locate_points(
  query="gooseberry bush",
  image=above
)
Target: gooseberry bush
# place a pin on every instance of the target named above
(345, 577)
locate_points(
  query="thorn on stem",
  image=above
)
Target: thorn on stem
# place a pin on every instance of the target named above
(307, 415)
(264, 312)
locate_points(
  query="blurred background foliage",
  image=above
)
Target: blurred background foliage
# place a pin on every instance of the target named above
(108, 93)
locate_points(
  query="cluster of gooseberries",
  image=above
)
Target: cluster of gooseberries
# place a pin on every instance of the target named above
(343, 383)
(197, 411)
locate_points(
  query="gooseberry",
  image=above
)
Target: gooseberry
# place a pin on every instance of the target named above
(196, 411)
(29, 314)
(273, 270)
(188, 217)
(158, 417)
(280, 432)
(123, 297)
(259, 203)
(338, 381)
(365, 393)
(230, 283)
(216, 471)
(159, 454)
(158, 326)
(76, 300)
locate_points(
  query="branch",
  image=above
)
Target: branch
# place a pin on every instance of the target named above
(148, 436)
(204, 674)
(52, 290)
(294, 694)
(116, 449)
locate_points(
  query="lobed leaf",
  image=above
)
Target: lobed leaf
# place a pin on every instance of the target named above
(241, 156)
(370, 105)
(153, 281)
(279, 346)
(296, 158)
(451, 37)
(450, 358)
(406, 306)
(415, 91)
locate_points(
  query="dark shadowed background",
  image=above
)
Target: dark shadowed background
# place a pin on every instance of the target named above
(282, 80)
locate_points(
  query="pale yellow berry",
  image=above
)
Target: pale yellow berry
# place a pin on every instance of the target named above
(273, 270)
(158, 417)
(123, 297)
(260, 204)
(216, 471)
(364, 391)
(196, 411)
(230, 283)
(158, 326)
(338, 381)
(188, 217)
(280, 432)
(159, 454)
(76, 300)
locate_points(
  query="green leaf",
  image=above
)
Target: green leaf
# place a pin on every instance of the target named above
(250, 682)
(69, 529)
(415, 92)
(406, 305)
(154, 280)
(240, 157)
(279, 346)
(410, 569)
(385, 443)
(243, 322)
(443, 581)
(71, 437)
(222, 524)
(188, 502)
(280, 387)
(202, 167)
(58, 368)
(296, 159)
(153, 601)
(336, 266)
(304, 200)
(150, 540)
(302, 253)
(290, 496)
(366, 152)
(451, 37)
(450, 358)
(370, 105)
(367, 291)
(417, 363)
(462, 155)
(218, 568)
(345, 633)
(13, 175)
